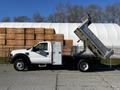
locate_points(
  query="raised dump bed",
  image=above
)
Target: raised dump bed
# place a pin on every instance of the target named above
(91, 41)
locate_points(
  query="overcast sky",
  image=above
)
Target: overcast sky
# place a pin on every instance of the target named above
(13, 8)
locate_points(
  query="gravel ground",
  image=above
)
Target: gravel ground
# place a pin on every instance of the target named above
(44, 79)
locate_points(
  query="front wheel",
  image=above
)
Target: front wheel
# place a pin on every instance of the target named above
(19, 65)
(84, 66)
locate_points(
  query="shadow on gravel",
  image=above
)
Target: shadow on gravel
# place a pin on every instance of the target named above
(96, 68)
(49, 67)
(103, 68)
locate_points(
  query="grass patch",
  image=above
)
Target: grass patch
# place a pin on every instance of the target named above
(4, 60)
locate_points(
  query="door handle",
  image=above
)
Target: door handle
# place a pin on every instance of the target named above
(47, 53)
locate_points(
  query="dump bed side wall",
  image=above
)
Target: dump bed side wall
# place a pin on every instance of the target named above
(91, 41)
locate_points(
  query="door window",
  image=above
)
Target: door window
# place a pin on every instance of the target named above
(41, 49)
(42, 46)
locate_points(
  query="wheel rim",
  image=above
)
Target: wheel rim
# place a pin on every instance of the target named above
(84, 66)
(20, 65)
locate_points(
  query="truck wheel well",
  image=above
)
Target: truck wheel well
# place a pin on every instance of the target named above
(23, 57)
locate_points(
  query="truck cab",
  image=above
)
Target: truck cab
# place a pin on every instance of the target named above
(45, 52)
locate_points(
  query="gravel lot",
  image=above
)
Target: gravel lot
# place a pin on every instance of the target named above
(58, 79)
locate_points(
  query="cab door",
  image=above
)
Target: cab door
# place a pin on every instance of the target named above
(41, 53)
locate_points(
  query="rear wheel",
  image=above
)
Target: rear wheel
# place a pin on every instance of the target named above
(20, 65)
(83, 65)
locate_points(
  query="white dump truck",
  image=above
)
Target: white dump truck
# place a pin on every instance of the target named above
(50, 52)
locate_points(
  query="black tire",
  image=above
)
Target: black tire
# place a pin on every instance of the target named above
(83, 66)
(20, 65)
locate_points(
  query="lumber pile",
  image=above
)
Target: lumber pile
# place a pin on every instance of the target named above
(19, 38)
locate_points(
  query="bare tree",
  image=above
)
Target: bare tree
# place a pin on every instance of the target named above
(59, 15)
(5, 19)
(21, 19)
(113, 13)
(38, 18)
(95, 11)
(75, 13)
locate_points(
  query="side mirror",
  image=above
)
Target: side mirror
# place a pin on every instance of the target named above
(35, 49)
